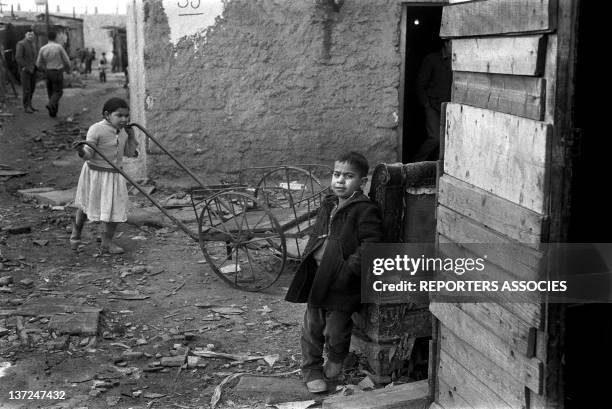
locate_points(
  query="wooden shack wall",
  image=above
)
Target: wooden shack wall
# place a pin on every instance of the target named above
(494, 186)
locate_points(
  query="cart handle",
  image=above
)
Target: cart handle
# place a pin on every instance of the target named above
(160, 146)
(182, 226)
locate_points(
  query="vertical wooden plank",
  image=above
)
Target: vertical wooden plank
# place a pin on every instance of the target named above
(560, 184)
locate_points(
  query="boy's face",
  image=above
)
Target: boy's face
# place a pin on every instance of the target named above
(346, 180)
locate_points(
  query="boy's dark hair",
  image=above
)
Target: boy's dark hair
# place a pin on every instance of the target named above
(357, 160)
(114, 104)
(52, 35)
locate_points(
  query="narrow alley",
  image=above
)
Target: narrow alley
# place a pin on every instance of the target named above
(114, 331)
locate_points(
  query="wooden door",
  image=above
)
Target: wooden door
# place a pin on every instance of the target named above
(504, 178)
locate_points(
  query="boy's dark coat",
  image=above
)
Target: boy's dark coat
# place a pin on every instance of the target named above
(336, 283)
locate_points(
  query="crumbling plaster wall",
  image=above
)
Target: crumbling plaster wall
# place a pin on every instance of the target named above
(274, 81)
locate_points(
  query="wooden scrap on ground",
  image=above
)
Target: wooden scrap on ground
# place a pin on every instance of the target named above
(413, 395)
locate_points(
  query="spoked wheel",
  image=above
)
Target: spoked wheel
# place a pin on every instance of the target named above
(235, 231)
(289, 186)
(298, 192)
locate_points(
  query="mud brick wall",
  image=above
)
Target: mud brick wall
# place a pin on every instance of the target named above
(274, 81)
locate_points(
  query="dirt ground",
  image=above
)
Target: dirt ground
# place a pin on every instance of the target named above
(173, 292)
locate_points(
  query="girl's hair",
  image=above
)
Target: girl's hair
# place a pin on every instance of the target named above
(114, 104)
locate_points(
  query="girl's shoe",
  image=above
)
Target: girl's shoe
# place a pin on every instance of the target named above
(111, 249)
(75, 243)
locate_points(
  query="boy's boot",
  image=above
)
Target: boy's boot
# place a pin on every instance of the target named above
(316, 386)
(331, 370)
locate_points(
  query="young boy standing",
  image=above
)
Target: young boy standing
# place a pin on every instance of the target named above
(329, 277)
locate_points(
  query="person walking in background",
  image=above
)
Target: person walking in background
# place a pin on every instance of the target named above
(3, 79)
(102, 67)
(433, 87)
(53, 60)
(88, 60)
(92, 58)
(25, 55)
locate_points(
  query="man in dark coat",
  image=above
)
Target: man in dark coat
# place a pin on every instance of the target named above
(328, 279)
(433, 87)
(25, 55)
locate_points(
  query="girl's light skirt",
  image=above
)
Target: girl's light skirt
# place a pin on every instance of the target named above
(103, 196)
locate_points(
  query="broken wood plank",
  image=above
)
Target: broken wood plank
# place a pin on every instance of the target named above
(467, 385)
(511, 94)
(272, 389)
(528, 371)
(512, 220)
(498, 17)
(502, 55)
(406, 396)
(483, 147)
(493, 376)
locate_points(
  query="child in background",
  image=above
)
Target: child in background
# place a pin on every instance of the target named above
(102, 192)
(328, 278)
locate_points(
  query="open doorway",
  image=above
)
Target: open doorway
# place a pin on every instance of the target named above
(420, 31)
(588, 327)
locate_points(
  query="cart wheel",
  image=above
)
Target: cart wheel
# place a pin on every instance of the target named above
(289, 186)
(298, 189)
(235, 233)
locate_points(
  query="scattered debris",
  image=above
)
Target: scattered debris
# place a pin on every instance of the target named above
(173, 292)
(23, 335)
(128, 295)
(152, 395)
(12, 172)
(132, 355)
(27, 228)
(81, 323)
(230, 269)
(6, 280)
(172, 361)
(49, 195)
(366, 384)
(112, 400)
(271, 359)
(219, 388)
(295, 405)
(227, 310)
